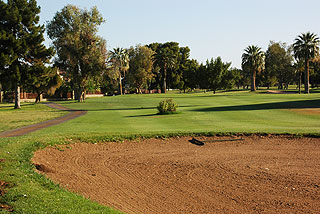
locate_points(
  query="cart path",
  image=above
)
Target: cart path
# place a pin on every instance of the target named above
(35, 127)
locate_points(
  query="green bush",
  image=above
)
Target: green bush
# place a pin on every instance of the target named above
(167, 106)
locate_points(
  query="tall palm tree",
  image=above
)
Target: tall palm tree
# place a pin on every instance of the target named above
(120, 61)
(253, 59)
(165, 59)
(306, 47)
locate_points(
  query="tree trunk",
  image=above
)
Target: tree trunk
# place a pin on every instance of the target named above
(38, 98)
(120, 84)
(0, 93)
(253, 81)
(164, 86)
(83, 95)
(17, 98)
(79, 95)
(300, 82)
(306, 77)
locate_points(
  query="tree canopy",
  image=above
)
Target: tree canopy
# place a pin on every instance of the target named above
(21, 39)
(253, 59)
(119, 58)
(279, 65)
(141, 65)
(81, 53)
(306, 47)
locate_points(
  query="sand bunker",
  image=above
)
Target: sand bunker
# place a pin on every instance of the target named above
(257, 175)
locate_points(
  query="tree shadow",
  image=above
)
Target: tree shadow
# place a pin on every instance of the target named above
(266, 106)
(144, 115)
(11, 105)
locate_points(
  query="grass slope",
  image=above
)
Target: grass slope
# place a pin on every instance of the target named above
(113, 118)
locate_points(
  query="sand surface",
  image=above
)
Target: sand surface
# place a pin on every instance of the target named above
(256, 175)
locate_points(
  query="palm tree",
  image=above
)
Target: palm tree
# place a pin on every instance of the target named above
(120, 61)
(305, 48)
(253, 59)
(165, 59)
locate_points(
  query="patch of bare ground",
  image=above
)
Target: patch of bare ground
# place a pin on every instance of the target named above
(3, 186)
(257, 175)
(307, 111)
(281, 92)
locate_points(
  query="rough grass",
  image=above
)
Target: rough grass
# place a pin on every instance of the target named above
(132, 116)
(29, 113)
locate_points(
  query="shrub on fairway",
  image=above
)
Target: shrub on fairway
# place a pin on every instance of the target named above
(167, 106)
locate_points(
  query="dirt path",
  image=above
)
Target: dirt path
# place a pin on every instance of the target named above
(257, 175)
(35, 127)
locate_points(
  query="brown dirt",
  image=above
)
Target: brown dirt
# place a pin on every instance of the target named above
(35, 127)
(307, 111)
(257, 175)
(281, 92)
(3, 186)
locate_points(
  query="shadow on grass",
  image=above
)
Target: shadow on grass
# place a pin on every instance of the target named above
(144, 115)
(265, 106)
(158, 114)
(11, 105)
(134, 108)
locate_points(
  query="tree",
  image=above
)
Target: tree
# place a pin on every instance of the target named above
(120, 62)
(202, 76)
(315, 75)
(190, 78)
(141, 65)
(299, 69)
(166, 58)
(230, 78)
(21, 39)
(43, 79)
(253, 59)
(278, 65)
(306, 47)
(80, 52)
(218, 74)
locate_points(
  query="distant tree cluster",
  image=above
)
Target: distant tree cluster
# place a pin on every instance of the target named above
(79, 61)
(282, 64)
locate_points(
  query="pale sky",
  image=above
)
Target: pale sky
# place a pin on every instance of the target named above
(208, 28)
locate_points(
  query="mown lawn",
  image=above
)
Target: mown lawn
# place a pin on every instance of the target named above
(231, 112)
(29, 113)
(116, 118)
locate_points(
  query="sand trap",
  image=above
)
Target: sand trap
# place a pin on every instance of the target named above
(257, 175)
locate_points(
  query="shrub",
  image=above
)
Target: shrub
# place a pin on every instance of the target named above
(167, 106)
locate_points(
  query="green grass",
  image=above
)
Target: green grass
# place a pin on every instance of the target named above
(29, 113)
(130, 116)
(232, 112)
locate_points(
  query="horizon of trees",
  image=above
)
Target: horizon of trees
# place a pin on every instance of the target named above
(81, 56)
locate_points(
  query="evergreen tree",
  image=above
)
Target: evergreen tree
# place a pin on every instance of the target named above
(21, 39)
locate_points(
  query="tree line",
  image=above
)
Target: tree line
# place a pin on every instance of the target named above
(78, 59)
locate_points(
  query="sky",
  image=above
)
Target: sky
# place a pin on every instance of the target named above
(209, 28)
